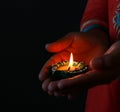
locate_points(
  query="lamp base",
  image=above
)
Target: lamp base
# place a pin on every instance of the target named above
(56, 74)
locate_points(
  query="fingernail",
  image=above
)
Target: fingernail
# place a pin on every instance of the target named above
(50, 87)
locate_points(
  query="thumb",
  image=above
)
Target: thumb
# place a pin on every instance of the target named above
(60, 44)
(110, 59)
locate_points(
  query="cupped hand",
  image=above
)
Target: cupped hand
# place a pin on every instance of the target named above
(105, 69)
(84, 46)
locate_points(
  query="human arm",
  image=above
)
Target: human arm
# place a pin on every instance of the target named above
(95, 16)
(88, 43)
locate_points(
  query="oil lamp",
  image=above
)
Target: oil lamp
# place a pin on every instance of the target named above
(67, 69)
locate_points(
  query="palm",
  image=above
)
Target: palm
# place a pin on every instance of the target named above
(84, 48)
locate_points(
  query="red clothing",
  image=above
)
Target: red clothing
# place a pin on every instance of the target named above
(105, 14)
(105, 98)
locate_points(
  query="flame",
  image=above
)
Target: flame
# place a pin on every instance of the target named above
(70, 61)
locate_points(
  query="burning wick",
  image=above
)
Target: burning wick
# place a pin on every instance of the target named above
(70, 62)
(67, 69)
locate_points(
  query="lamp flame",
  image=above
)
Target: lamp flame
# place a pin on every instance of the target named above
(70, 61)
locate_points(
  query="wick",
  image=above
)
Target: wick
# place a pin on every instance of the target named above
(68, 68)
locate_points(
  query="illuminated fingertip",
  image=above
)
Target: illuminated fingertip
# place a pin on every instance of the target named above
(44, 87)
(40, 77)
(46, 46)
(50, 87)
(43, 75)
(60, 85)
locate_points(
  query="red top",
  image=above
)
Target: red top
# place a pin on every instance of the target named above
(103, 14)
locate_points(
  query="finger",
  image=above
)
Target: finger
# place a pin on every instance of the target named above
(90, 79)
(106, 62)
(111, 59)
(65, 92)
(53, 86)
(56, 93)
(45, 84)
(71, 82)
(60, 44)
(44, 73)
(51, 93)
(61, 92)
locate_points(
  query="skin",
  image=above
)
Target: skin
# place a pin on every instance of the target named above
(92, 48)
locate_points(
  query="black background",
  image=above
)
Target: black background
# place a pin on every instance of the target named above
(26, 26)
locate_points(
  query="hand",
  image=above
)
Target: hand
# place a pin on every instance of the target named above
(84, 46)
(109, 61)
(105, 69)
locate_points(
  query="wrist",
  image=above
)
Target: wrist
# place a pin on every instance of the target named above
(101, 35)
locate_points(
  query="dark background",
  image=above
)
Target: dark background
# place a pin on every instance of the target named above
(26, 26)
